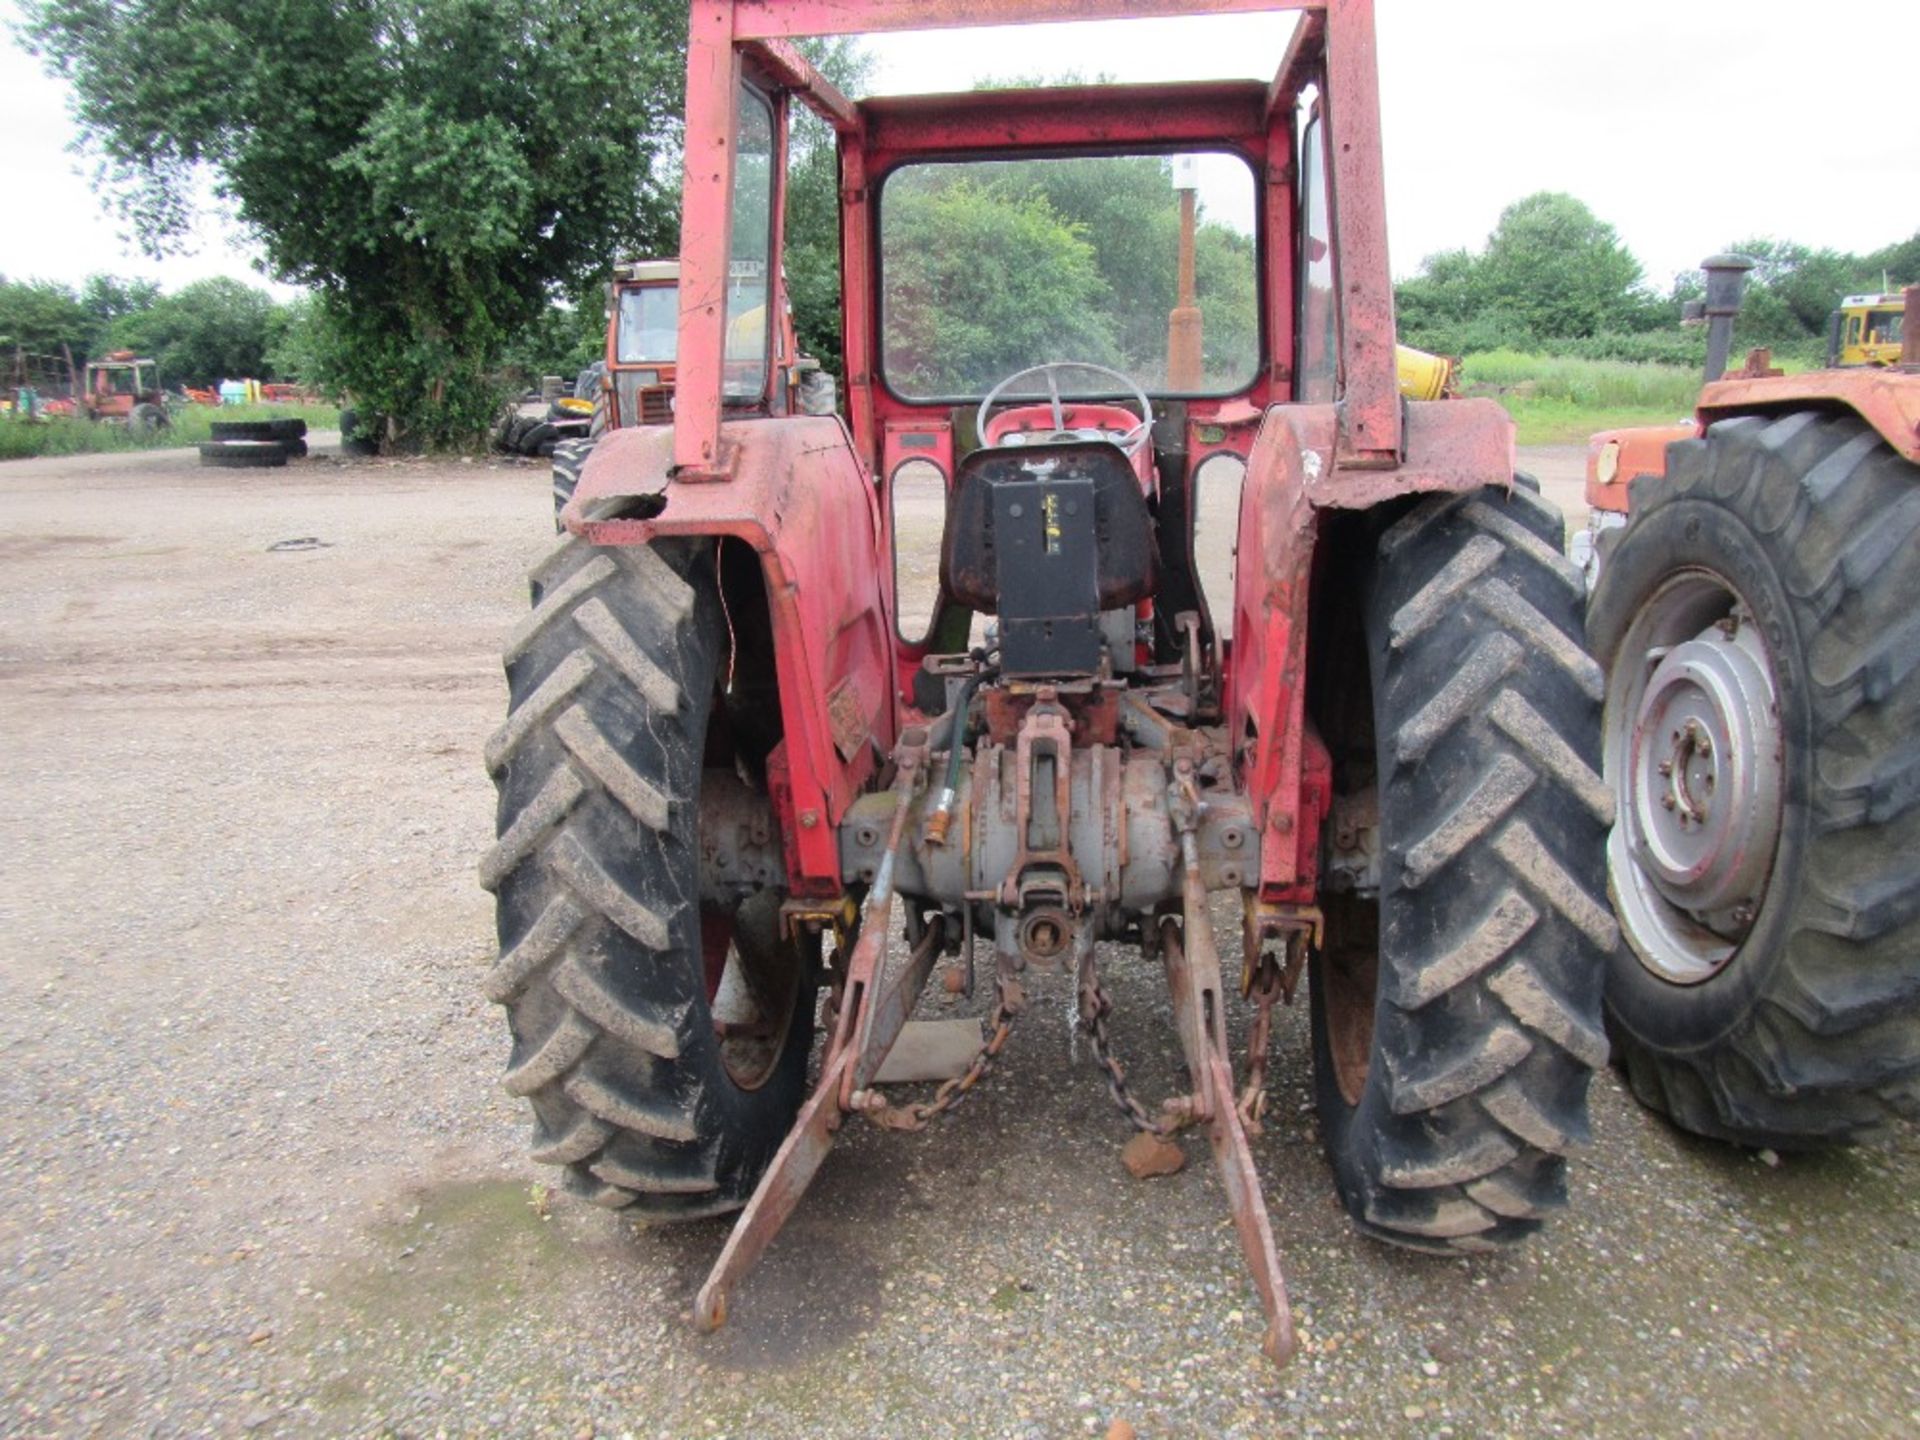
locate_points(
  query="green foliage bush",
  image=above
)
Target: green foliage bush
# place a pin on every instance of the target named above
(1685, 348)
(1596, 384)
(211, 330)
(979, 283)
(992, 267)
(1551, 272)
(436, 171)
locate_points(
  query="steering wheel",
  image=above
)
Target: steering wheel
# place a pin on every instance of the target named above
(1128, 443)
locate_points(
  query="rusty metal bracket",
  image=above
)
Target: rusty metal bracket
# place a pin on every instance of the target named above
(1296, 926)
(835, 917)
(1046, 730)
(1193, 975)
(864, 1031)
(1195, 981)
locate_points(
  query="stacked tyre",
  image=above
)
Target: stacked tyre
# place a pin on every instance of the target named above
(254, 444)
(535, 436)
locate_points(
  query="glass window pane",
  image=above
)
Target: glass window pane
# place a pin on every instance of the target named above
(1216, 534)
(919, 517)
(1318, 364)
(649, 324)
(990, 267)
(745, 369)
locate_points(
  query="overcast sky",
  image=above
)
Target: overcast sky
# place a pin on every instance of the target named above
(1686, 124)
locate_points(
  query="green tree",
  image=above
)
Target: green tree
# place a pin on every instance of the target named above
(1560, 270)
(813, 205)
(1551, 271)
(562, 341)
(1227, 285)
(209, 331)
(437, 171)
(40, 322)
(295, 341)
(1793, 289)
(109, 300)
(980, 284)
(1894, 265)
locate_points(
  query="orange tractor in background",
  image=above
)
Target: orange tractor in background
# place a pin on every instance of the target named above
(633, 383)
(1755, 607)
(126, 390)
(643, 333)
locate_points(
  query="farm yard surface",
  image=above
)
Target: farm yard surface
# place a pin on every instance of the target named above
(257, 1173)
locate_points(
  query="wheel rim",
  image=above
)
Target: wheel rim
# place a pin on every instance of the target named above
(1347, 980)
(1694, 758)
(752, 985)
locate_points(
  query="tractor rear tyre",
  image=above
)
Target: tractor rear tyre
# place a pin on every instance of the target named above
(617, 979)
(147, 420)
(1762, 740)
(569, 459)
(586, 385)
(1457, 1022)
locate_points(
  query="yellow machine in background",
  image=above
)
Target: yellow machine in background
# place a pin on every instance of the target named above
(1423, 376)
(1865, 330)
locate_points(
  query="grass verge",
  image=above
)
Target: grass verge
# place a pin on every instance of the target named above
(62, 435)
(1556, 400)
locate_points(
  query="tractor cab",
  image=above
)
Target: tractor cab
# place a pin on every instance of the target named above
(124, 388)
(643, 337)
(642, 340)
(1866, 330)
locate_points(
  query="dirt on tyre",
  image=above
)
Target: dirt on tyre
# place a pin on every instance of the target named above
(1758, 620)
(1456, 1013)
(569, 459)
(660, 1034)
(243, 454)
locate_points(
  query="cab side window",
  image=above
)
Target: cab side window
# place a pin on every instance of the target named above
(1317, 365)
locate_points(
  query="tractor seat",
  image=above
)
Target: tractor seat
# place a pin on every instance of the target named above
(1064, 497)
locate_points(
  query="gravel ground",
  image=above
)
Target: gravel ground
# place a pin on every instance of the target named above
(256, 1174)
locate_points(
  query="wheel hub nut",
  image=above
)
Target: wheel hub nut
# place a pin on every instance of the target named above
(1705, 793)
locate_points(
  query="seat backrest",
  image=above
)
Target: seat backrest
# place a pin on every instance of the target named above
(1120, 531)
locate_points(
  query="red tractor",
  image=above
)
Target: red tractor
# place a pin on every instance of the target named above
(727, 778)
(1755, 608)
(125, 390)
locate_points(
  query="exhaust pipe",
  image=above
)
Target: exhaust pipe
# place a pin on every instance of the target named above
(1726, 282)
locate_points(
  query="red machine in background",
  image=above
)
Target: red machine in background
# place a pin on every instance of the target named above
(126, 390)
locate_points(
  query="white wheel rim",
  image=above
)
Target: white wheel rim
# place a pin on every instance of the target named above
(1694, 756)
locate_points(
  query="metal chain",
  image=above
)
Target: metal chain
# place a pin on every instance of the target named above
(1095, 1006)
(1268, 985)
(1009, 999)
